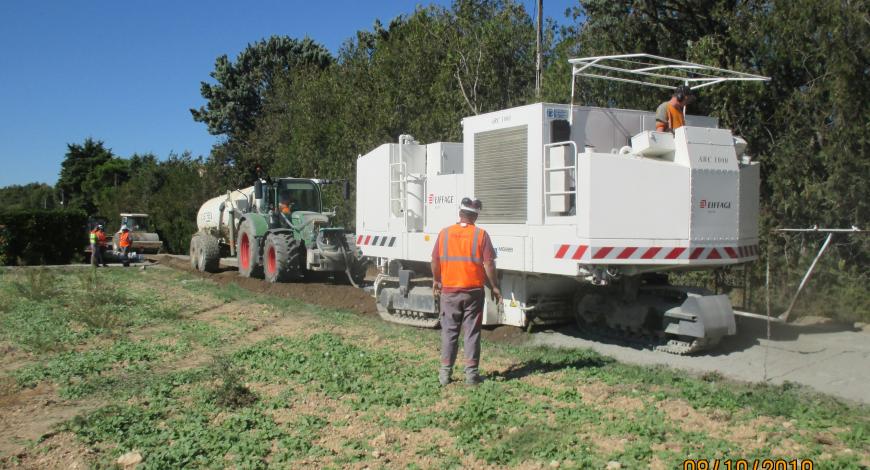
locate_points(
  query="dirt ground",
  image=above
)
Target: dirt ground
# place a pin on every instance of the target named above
(325, 294)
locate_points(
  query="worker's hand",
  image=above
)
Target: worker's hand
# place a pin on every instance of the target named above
(436, 288)
(496, 294)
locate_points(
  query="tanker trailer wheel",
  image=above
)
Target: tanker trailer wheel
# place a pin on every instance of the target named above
(194, 250)
(248, 250)
(209, 253)
(281, 260)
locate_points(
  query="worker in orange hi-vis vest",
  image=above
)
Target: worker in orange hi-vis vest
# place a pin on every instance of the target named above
(125, 242)
(463, 261)
(671, 115)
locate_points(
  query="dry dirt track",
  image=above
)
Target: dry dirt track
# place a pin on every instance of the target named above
(831, 358)
(331, 295)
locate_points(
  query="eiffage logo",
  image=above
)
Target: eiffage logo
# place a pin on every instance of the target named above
(715, 204)
(433, 199)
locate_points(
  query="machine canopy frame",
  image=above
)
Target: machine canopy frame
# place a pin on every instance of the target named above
(654, 71)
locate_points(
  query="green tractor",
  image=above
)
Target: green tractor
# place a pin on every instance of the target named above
(278, 230)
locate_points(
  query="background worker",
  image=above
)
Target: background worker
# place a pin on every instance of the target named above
(125, 242)
(463, 260)
(98, 244)
(671, 115)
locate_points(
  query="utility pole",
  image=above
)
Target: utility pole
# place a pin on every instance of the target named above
(539, 59)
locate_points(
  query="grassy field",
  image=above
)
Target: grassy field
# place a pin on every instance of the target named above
(187, 373)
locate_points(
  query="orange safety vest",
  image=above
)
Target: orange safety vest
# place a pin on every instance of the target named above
(124, 240)
(461, 256)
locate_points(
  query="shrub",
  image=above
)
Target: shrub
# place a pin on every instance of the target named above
(33, 237)
(4, 246)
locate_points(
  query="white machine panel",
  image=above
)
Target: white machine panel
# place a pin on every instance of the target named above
(715, 205)
(373, 184)
(444, 158)
(750, 179)
(443, 194)
(510, 252)
(619, 199)
(705, 148)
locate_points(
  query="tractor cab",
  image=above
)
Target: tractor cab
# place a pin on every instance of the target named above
(297, 195)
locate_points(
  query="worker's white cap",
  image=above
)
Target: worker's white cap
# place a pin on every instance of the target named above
(471, 205)
(123, 227)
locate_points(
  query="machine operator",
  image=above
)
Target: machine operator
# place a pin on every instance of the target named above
(671, 114)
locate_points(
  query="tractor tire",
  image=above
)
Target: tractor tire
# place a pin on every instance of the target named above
(194, 251)
(209, 253)
(281, 258)
(248, 250)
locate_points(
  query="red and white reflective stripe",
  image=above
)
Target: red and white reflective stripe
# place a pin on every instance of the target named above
(595, 253)
(570, 251)
(377, 240)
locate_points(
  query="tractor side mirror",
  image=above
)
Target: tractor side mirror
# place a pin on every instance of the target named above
(346, 190)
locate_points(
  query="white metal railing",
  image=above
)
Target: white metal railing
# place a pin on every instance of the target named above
(401, 191)
(547, 170)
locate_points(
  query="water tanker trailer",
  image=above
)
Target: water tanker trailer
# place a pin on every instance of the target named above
(277, 230)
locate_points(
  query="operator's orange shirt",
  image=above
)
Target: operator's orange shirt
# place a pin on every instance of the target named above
(672, 117)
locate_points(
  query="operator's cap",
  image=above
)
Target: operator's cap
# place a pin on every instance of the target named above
(471, 205)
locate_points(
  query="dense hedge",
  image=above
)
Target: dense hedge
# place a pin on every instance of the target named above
(35, 237)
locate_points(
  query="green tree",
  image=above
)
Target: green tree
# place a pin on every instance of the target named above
(131, 191)
(28, 196)
(80, 162)
(235, 100)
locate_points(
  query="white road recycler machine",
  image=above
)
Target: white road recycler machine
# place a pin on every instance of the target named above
(588, 208)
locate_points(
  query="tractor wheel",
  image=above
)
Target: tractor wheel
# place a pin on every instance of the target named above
(194, 252)
(281, 258)
(248, 250)
(209, 253)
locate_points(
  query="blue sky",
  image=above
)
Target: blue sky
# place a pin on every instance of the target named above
(127, 73)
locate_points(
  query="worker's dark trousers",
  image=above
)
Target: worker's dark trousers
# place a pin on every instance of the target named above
(125, 256)
(461, 309)
(96, 255)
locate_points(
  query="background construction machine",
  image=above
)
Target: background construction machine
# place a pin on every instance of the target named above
(278, 230)
(588, 209)
(144, 241)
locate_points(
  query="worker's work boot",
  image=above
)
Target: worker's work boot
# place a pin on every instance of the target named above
(472, 376)
(444, 375)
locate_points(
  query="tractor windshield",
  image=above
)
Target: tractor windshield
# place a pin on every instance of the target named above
(299, 195)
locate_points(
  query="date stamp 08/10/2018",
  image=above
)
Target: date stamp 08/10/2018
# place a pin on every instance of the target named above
(744, 464)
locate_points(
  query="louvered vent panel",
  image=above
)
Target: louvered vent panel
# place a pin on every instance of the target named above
(500, 174)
